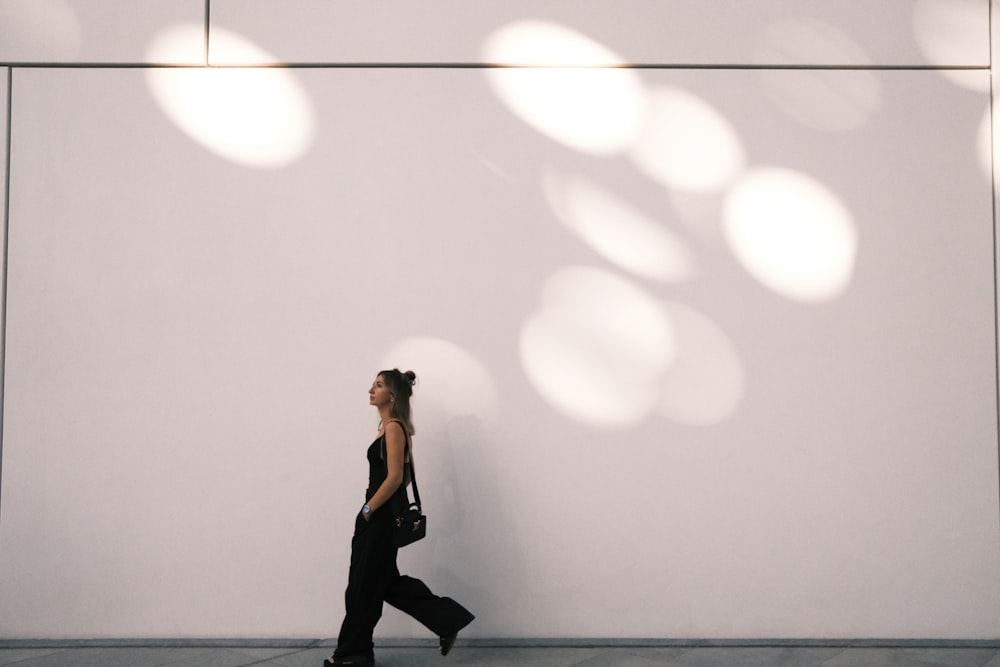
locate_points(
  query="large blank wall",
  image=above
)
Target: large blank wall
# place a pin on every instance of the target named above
(703, 351)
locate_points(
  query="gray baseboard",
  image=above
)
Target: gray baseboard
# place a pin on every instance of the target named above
(511, 642)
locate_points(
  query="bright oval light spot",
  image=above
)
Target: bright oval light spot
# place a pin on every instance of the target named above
(955, 33)
(451, 380)
(834, 100)
(791, 233)
(597, 110)
(258, 117)
(705, 384)
(596, 348)
(541, 43)
(686, 144)
(617, 231)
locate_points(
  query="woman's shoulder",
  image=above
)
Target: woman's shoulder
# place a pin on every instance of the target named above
(394, 424)
(398, 429)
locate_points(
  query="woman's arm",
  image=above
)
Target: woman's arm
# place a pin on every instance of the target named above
(395, 442)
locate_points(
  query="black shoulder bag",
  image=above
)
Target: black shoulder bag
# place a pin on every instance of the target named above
(409, 521)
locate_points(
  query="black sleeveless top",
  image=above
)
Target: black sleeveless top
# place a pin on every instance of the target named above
(377, 468)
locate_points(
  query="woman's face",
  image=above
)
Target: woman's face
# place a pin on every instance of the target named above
(379, 394)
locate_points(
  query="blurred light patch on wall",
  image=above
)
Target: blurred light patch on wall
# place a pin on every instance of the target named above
(807, 41)
(687, 144)
(705, 383)
(596, 346)
(617, 231)
(256, 117)
(832, 100)
(594, 110)
(984, 143)
(947, 32)
(791, 233)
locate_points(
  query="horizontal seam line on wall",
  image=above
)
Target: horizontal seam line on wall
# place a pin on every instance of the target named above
(432, 65)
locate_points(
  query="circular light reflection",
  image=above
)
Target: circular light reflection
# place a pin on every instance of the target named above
(450, 378)
(258, 117)
(597, 110)
(833, 100)
(791, 233)
(597, 347)
(954, 33)
(705, 384)
(618, 232)
(687, 144)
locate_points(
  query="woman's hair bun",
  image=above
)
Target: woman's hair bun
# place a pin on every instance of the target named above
(399, 382)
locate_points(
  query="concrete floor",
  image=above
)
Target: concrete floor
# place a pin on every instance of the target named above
(609, 656)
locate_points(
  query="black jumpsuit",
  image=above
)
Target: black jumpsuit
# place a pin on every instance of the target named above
(374, 578)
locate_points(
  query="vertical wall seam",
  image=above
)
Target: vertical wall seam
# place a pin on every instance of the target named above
(3, 277)
(208, 29)
(996, 258)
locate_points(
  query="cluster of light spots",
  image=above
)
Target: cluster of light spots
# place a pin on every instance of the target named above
(791, 233)
(599, 348)
(617, 231)
(686, 145)
(258, 117)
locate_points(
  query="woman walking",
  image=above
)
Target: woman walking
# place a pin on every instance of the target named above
(374, 577)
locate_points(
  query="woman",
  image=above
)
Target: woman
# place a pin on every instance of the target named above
(374, 577)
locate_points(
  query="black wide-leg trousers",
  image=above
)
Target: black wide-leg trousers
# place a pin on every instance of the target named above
(374, 579)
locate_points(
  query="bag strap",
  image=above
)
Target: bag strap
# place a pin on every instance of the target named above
(413, 472)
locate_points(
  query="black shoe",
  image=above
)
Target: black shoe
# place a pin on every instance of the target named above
(449, 641)
(356, 660)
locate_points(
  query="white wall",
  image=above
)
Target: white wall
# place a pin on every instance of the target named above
(703, 352)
